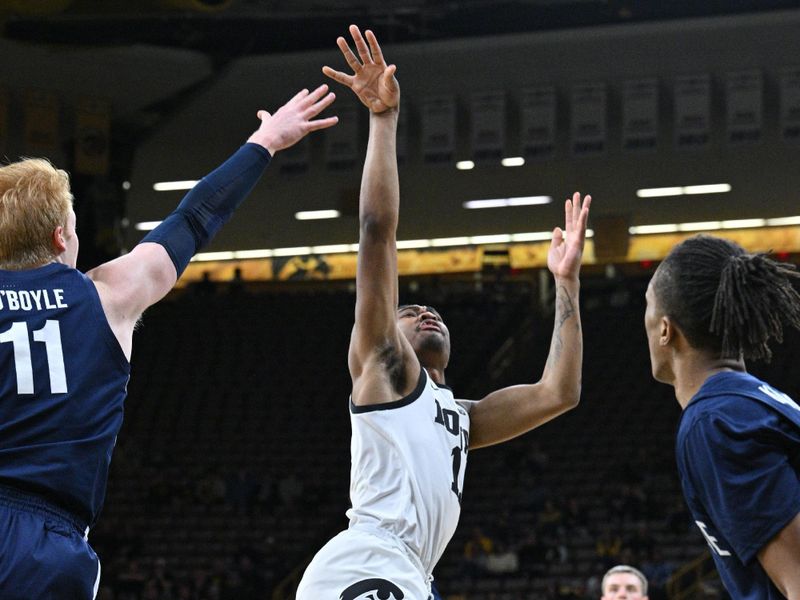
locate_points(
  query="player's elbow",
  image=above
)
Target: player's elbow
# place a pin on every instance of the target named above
(572, 399)
(377, 227)
(567, 395)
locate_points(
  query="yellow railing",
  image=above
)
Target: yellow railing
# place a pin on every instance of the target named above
(686, 583)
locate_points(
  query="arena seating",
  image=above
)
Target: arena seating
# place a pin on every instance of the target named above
(232, 467)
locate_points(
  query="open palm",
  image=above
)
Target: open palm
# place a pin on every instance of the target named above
(564, 256)
(373, 80)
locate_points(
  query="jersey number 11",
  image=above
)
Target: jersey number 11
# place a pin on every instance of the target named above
(50, 336)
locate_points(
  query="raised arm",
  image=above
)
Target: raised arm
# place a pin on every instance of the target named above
(512, 411)
(377, 348)
(131, 283)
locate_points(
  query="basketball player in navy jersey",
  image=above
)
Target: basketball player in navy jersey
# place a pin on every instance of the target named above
(410, 435)
(710, 306)
(65, 343)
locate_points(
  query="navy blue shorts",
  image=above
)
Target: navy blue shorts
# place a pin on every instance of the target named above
(43, 552)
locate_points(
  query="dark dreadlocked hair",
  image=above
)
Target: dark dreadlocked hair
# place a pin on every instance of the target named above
(726, 300)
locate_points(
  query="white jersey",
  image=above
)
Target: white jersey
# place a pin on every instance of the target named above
(407, 473)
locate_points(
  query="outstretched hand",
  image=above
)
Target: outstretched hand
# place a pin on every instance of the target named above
(564, 256)
(373, 80)
(292, 121)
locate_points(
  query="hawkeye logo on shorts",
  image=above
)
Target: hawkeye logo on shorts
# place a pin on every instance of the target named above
(372, 589)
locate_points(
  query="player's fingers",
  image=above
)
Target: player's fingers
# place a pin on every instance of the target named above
(388, 76)
(263, 115)
(318, 107)
(351, 59)
(558, 237)
(322, 123)
(299, 95)
(576, 205)
(375, 48)
(583, 218)
(338, 76)
(361, 45)
(315, 95)
(568, 216)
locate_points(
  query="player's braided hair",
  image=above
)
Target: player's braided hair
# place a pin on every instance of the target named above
(726, 300)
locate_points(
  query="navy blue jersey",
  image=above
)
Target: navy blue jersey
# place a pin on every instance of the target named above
(63, 379)
(738, 454)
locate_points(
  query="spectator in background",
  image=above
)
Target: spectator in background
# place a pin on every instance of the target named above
(532, 553)
(550, 518)
(476, 551)
(608, 545)
(575, 518)
(640, 542)
(623, 582)
(657, 568)
(502, 560)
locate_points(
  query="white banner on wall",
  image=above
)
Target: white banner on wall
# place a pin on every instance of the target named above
(640, 115)
(341, 142)
(790, 104)
(538, 122)
(488, 131)
(438, 128)
(692, 111)
(588, 123)
(744, 106)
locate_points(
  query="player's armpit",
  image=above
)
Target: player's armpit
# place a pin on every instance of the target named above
(129, 284)
(781, 559)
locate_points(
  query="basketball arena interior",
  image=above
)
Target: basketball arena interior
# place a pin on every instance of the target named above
(232, 466)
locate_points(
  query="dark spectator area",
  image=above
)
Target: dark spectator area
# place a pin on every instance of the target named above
(232, 467)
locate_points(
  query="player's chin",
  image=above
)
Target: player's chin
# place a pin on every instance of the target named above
(436, 341)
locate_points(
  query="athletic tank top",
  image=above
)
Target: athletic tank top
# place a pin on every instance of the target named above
(63, 379)
(408, 459)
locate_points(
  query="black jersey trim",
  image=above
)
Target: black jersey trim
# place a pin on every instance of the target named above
(416, 393)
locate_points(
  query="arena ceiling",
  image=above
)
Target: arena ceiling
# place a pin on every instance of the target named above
(160, 62)
(235, 27)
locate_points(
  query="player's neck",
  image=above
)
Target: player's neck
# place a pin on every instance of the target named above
(436, 374)
(692, 371)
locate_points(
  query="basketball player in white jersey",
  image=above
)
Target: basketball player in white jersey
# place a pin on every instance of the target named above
(410, 436)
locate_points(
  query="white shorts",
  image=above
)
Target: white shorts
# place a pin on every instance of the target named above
(359, 564)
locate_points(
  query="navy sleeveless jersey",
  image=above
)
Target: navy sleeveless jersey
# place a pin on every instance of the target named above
(63, 379)
(738, 454)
